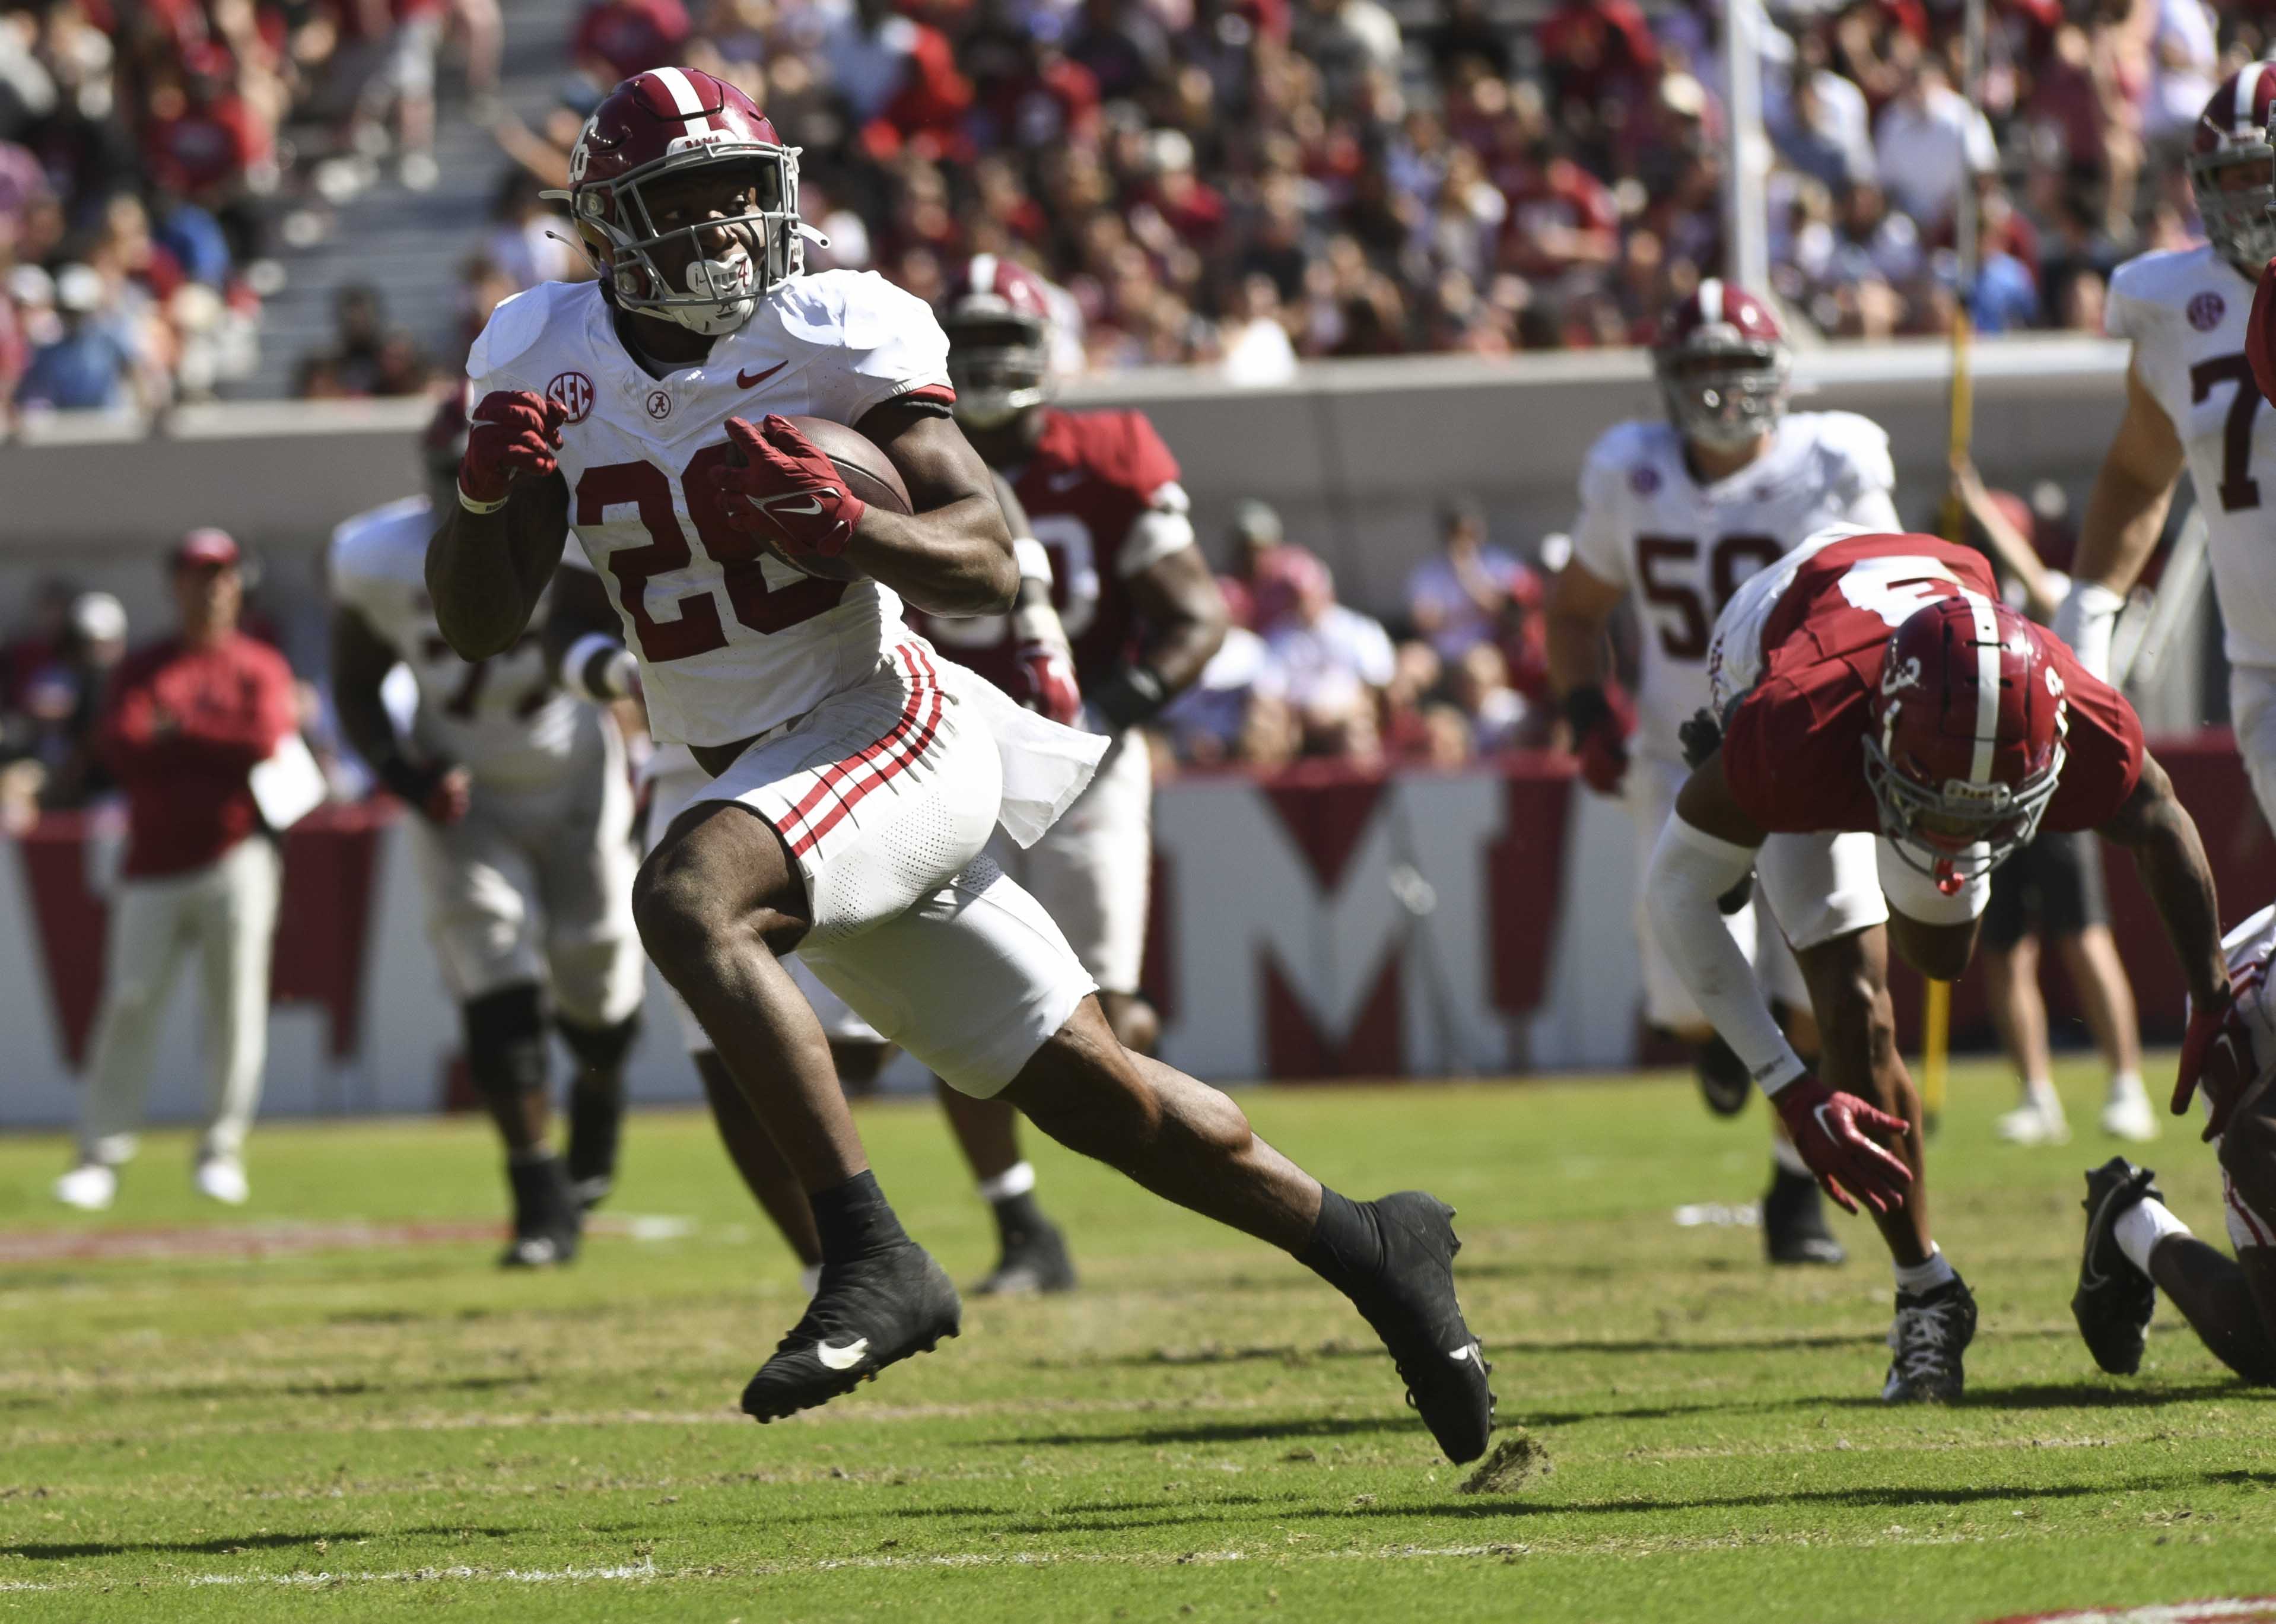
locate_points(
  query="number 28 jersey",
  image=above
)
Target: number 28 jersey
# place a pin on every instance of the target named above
(732, 641)
(1684, 548)
(2187, 313)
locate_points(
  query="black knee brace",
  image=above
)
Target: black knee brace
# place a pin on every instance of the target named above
(505, 1042)
(600, 1049)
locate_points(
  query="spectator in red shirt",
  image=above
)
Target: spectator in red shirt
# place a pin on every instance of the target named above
(186, 722)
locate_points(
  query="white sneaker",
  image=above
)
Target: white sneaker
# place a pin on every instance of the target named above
(222, 1179)
(90, 1187)
(2035, 1122)
(2127, 1115)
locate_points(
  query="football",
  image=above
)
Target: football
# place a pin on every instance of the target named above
(868, 474)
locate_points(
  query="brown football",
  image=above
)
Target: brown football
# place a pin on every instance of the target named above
(867, 473)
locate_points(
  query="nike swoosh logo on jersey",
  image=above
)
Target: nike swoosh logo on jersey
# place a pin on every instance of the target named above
(842, 1358)
(751, 380)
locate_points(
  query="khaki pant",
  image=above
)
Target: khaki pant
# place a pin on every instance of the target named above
(227, 911)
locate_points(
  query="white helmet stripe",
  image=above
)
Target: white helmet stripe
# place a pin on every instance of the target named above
(1711, 300)
(685, 98)
(1987, 686)
(2247, 95)
(983, 274)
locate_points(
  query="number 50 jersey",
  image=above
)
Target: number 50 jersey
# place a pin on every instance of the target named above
(1684, 548)
(2187, 313)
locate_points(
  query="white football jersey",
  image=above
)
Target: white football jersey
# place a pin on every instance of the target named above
(2187, 312)
(2250, 949)
(503, 719)
(1684, 548)
(732, 641)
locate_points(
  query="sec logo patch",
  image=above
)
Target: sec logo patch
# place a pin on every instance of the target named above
(659, 405)
(2205, 311)
(1644, 481)
(573, 391)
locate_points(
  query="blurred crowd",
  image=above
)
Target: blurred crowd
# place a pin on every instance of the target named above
(155, 157)
(1244, 183)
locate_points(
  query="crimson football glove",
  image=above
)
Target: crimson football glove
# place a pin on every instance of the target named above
(1046, 683)
(1831, 1132)
(779, 484)
(2216, 1053)
(1602, 719)
(512, 433)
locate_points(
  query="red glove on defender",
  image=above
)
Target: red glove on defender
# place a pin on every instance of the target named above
(1826, 1126)
(1046, 682)
(2217, 1050)
(513, 432)
(1602, 719)
(777, 479)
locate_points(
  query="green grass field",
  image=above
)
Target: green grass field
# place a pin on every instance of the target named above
(1203, 1433)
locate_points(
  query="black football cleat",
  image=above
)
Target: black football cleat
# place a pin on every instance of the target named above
(1412, 1306)
(869, 1312)
(1034, 1258)
(595, 1127)
(546, 1217)
(2114, 1299)
(1928, 1344)
(1724, 1081)
(1794, 1231)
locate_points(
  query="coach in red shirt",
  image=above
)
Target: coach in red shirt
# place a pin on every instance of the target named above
(186, 722)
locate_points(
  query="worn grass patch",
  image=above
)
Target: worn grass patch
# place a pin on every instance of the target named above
(387, 1426)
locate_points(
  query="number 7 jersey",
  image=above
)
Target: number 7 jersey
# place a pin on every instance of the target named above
(731, 639)
(2187, 313)
(1684, 548)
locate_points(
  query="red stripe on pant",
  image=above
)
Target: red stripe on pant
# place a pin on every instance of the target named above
(2253, 1226)
(885, 759)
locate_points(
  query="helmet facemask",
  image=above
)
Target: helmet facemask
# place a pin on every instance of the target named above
(2236, 188)
(715, 295)
(1723, 389)
(1959, 829)
(999, 366)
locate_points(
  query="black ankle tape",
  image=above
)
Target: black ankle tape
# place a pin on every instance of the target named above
(854, 1217)
(1346, 1250)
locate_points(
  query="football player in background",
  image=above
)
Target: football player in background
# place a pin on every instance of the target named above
(1134, 596)
(2190, 401)
(1875, 685)
(523, 835)
(857, 776)
(2135, 1245)
(1679, 514)
(583, 629)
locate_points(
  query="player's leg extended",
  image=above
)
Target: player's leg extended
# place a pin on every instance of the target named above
(717, 902)
(2106, 996)
(2019, 1014)
(761, 1167)
(980, 984)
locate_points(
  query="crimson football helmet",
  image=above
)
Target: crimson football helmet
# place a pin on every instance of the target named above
(666, 122)
(998, 316)
(1722, 366)
(2233, 168)
(1966, 743)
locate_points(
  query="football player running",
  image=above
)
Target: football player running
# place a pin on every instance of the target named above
(1032, 1252)
(1681, 512)
(857, 776)
(1876, 685)
(2135, 1245)
(2190, 401)
(1109, 545)
(522, 835)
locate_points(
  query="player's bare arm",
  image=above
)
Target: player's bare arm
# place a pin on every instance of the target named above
(2170, 857)
(953, 555)
(1185, 618)
(1580, 603)
(486, 571)
(437, 791)
(2125, 515)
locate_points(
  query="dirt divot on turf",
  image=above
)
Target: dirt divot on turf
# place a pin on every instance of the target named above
(48, 1246)
(1514, 1462)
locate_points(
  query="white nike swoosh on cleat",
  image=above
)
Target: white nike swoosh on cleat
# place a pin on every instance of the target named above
(842, 1358)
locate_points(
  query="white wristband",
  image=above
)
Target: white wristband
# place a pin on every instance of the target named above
(1034, 563)
(618, 672)
(472, 506)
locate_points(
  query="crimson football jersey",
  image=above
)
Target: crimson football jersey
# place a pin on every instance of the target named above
(1814, 630)
(1103, 496)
